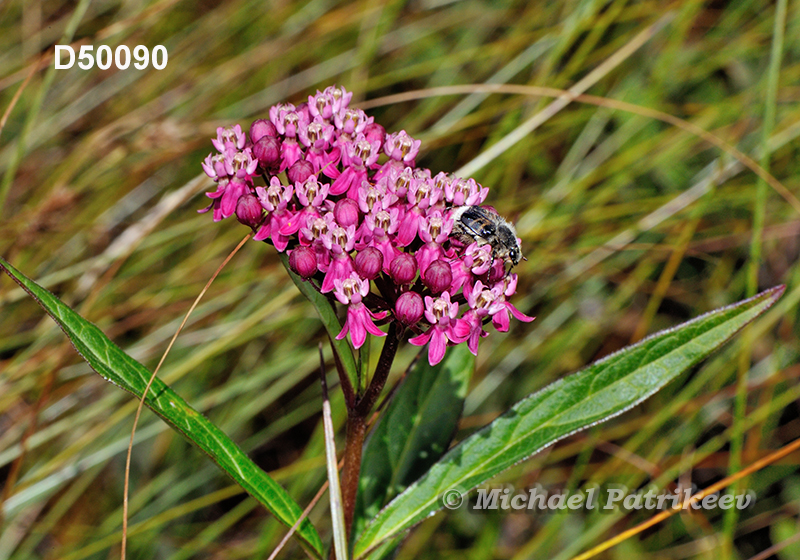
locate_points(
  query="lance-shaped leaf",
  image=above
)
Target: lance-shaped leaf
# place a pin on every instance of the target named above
(327, 314)
(605, 389)
(114, 365)
(414, 431)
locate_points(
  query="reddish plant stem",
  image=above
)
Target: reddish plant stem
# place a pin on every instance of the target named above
(366, 402)
(357, 415)
(356, 429)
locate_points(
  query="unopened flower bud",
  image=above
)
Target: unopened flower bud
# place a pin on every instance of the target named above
(249, 210)
(268, 152)
(403, 268)
(303, 262)
(346, 212)
(438, 276)
(409, 308)
(375, 133)
(261, 128)
(300, 171)
(369, 261)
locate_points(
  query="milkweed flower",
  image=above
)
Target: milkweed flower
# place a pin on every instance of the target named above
(441, 314)
(482, 303)
(360, 221)
(351, 292)
(506, 288)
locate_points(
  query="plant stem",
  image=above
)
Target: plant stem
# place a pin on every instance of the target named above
(365, 404)
(356, 428)
(357, 415)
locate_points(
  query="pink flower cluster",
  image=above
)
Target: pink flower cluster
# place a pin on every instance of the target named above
(347, 202)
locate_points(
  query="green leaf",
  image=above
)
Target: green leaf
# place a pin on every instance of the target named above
(327, 314)
(414, 431)
(114, 365)
(603, 390)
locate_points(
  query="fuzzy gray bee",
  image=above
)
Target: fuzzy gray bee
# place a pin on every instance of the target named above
(482, 224)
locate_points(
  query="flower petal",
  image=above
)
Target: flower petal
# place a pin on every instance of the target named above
(422, 339)
(437, 347)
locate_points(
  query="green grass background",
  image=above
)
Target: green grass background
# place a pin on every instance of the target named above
(630, 225)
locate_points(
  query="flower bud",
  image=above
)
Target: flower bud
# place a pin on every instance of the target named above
(375, 133)
(261, 128)
(249, 210)
(268, 152)
(346, 212)
(300, 171)
(409, 308)
(403, 268)
(303, 262)
(369, 261)
(438, 276)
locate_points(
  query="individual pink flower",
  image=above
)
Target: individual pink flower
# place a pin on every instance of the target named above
(389, 181)
(317, 138)
(377, 231)
(339, 241)
(350, 291)
(225, 198)
(229, 137)
(275, 200)
(315, 228)
(374, 198)
(401, 147)
(241, 164)
(329, 103)
(461, 192)
(421, 196)
(288, 120)
(503, 289)
(351, 122)
(434, 230)
(476, 261)
(312, 196)
(482, 302)
(214, 166)
(359, 156)
(441, 314)
(313, 233)
(311, 192)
